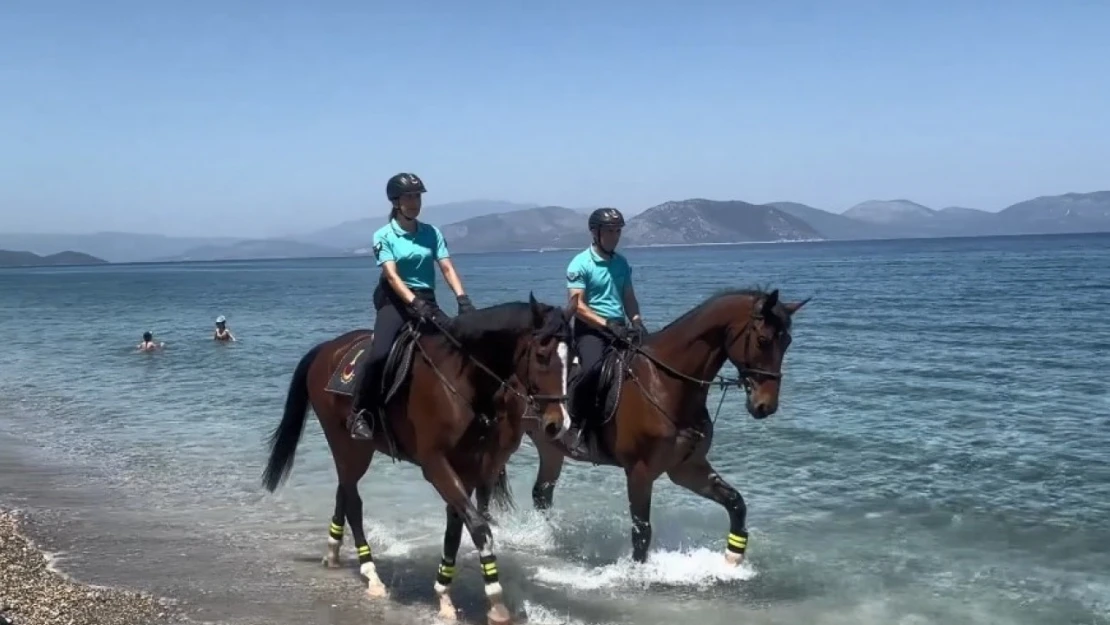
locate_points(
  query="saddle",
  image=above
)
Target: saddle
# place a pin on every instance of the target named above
(348, 375)
(597, 409)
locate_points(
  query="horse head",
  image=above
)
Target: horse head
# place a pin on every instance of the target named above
(757, 335)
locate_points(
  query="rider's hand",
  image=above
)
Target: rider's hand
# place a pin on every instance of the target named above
(638, 328)
(423, 309)
(464, 304)
(618, 329)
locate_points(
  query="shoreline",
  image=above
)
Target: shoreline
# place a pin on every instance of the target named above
(34, 592)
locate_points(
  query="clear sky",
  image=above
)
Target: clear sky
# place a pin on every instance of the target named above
(258, 118)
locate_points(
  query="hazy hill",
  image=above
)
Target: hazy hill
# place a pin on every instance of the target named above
(9, 258)
(262, 248)
(830, 225)
(116, 247)
(528, 229)
(1071, 212)
(358, 234)
(708, 221)
(508, 226)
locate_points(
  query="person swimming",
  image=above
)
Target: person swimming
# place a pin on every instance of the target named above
(222, 332)
(148, 344)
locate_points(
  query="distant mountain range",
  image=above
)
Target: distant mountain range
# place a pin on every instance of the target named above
(488, 225)
(9, 258)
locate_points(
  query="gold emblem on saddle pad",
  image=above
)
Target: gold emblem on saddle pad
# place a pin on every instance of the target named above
(349, 368)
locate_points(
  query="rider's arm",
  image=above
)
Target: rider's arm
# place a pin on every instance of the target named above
(576, 292)
(631, 305)
(583, 311)
(446, 266)
(383, 252)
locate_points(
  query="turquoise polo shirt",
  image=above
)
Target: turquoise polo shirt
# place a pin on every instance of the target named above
(602, 280)
(415, 253)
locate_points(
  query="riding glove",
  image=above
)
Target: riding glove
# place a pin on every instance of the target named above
(464, 304)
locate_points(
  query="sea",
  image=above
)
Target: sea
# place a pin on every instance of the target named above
(941, 454)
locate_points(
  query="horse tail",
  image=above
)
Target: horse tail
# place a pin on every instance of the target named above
(501, 495)
(284, 439)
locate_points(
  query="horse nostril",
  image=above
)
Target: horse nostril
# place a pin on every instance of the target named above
(551, 429)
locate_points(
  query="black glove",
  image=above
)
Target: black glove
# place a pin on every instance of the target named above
(618, 329)
(464, 304)
(422, 309)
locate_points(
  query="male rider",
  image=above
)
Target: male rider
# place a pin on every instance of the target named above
(602, 279)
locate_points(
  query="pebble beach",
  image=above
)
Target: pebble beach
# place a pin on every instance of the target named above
(32, 592)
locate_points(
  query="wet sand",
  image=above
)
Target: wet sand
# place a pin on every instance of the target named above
(33, 593)
(216, 572)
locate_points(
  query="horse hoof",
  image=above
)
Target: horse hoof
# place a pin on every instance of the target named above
(734, 559)
(447, 611)
(377, 591)
(330, 562)
(499, 615)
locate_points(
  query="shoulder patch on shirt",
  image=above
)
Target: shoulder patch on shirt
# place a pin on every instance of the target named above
(378, 250)
(574, 276)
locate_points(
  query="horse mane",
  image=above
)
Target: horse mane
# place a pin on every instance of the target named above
(755, 292)
(482, 323)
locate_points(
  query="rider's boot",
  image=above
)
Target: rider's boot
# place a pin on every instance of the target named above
(356, 420)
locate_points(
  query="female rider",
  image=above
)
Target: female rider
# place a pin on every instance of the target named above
(407, 250)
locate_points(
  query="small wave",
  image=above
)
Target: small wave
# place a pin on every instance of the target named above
(700, 568)
(541, 615)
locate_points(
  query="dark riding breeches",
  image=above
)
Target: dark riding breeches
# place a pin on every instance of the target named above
(391, 317)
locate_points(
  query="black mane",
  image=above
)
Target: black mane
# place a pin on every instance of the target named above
(497, 320)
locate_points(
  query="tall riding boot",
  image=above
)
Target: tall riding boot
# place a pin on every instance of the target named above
(356, 420)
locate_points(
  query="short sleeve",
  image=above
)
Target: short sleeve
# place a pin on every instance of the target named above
(441, 246)
(383, 249)
(576, 277)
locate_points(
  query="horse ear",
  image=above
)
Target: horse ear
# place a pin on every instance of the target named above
(770, 301)
(793, 307)
(537, 313)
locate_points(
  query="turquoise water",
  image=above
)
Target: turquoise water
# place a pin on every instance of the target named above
(939, 455)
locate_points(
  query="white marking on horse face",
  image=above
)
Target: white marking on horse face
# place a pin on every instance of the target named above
(564, 364)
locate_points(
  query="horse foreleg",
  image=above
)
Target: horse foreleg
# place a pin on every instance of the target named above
(438, 471)
(551, 466)
(452, 536)
(335, 532)
(640, 484)
(482, 495)
(698, 476)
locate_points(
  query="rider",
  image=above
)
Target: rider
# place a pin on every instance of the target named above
(602, 280)
(407, 251)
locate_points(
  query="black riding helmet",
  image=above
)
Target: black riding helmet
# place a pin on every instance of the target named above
(606, 217)
(403, 183)
(148, 337)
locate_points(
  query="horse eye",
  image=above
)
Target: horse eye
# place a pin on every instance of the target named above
(764, 342)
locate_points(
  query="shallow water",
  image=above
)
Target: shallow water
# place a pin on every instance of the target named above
(939, 456)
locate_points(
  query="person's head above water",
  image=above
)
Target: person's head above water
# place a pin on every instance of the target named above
(148, 337)
(220, 320)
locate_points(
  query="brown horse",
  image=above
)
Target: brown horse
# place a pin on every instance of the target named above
(659, 422)
(458, 417)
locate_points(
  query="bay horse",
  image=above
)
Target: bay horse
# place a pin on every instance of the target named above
(659, 422)
(458, 417)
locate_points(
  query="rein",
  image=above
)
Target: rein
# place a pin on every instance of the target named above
(532, 400)
(743, 380)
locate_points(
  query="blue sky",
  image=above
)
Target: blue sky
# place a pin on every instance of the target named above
(258, 118)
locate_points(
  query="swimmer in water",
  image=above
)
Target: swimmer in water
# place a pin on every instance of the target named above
(222, 333)
(148, 344)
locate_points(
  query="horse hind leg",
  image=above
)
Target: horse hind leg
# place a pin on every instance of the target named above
(335, 531)
(698, 476)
